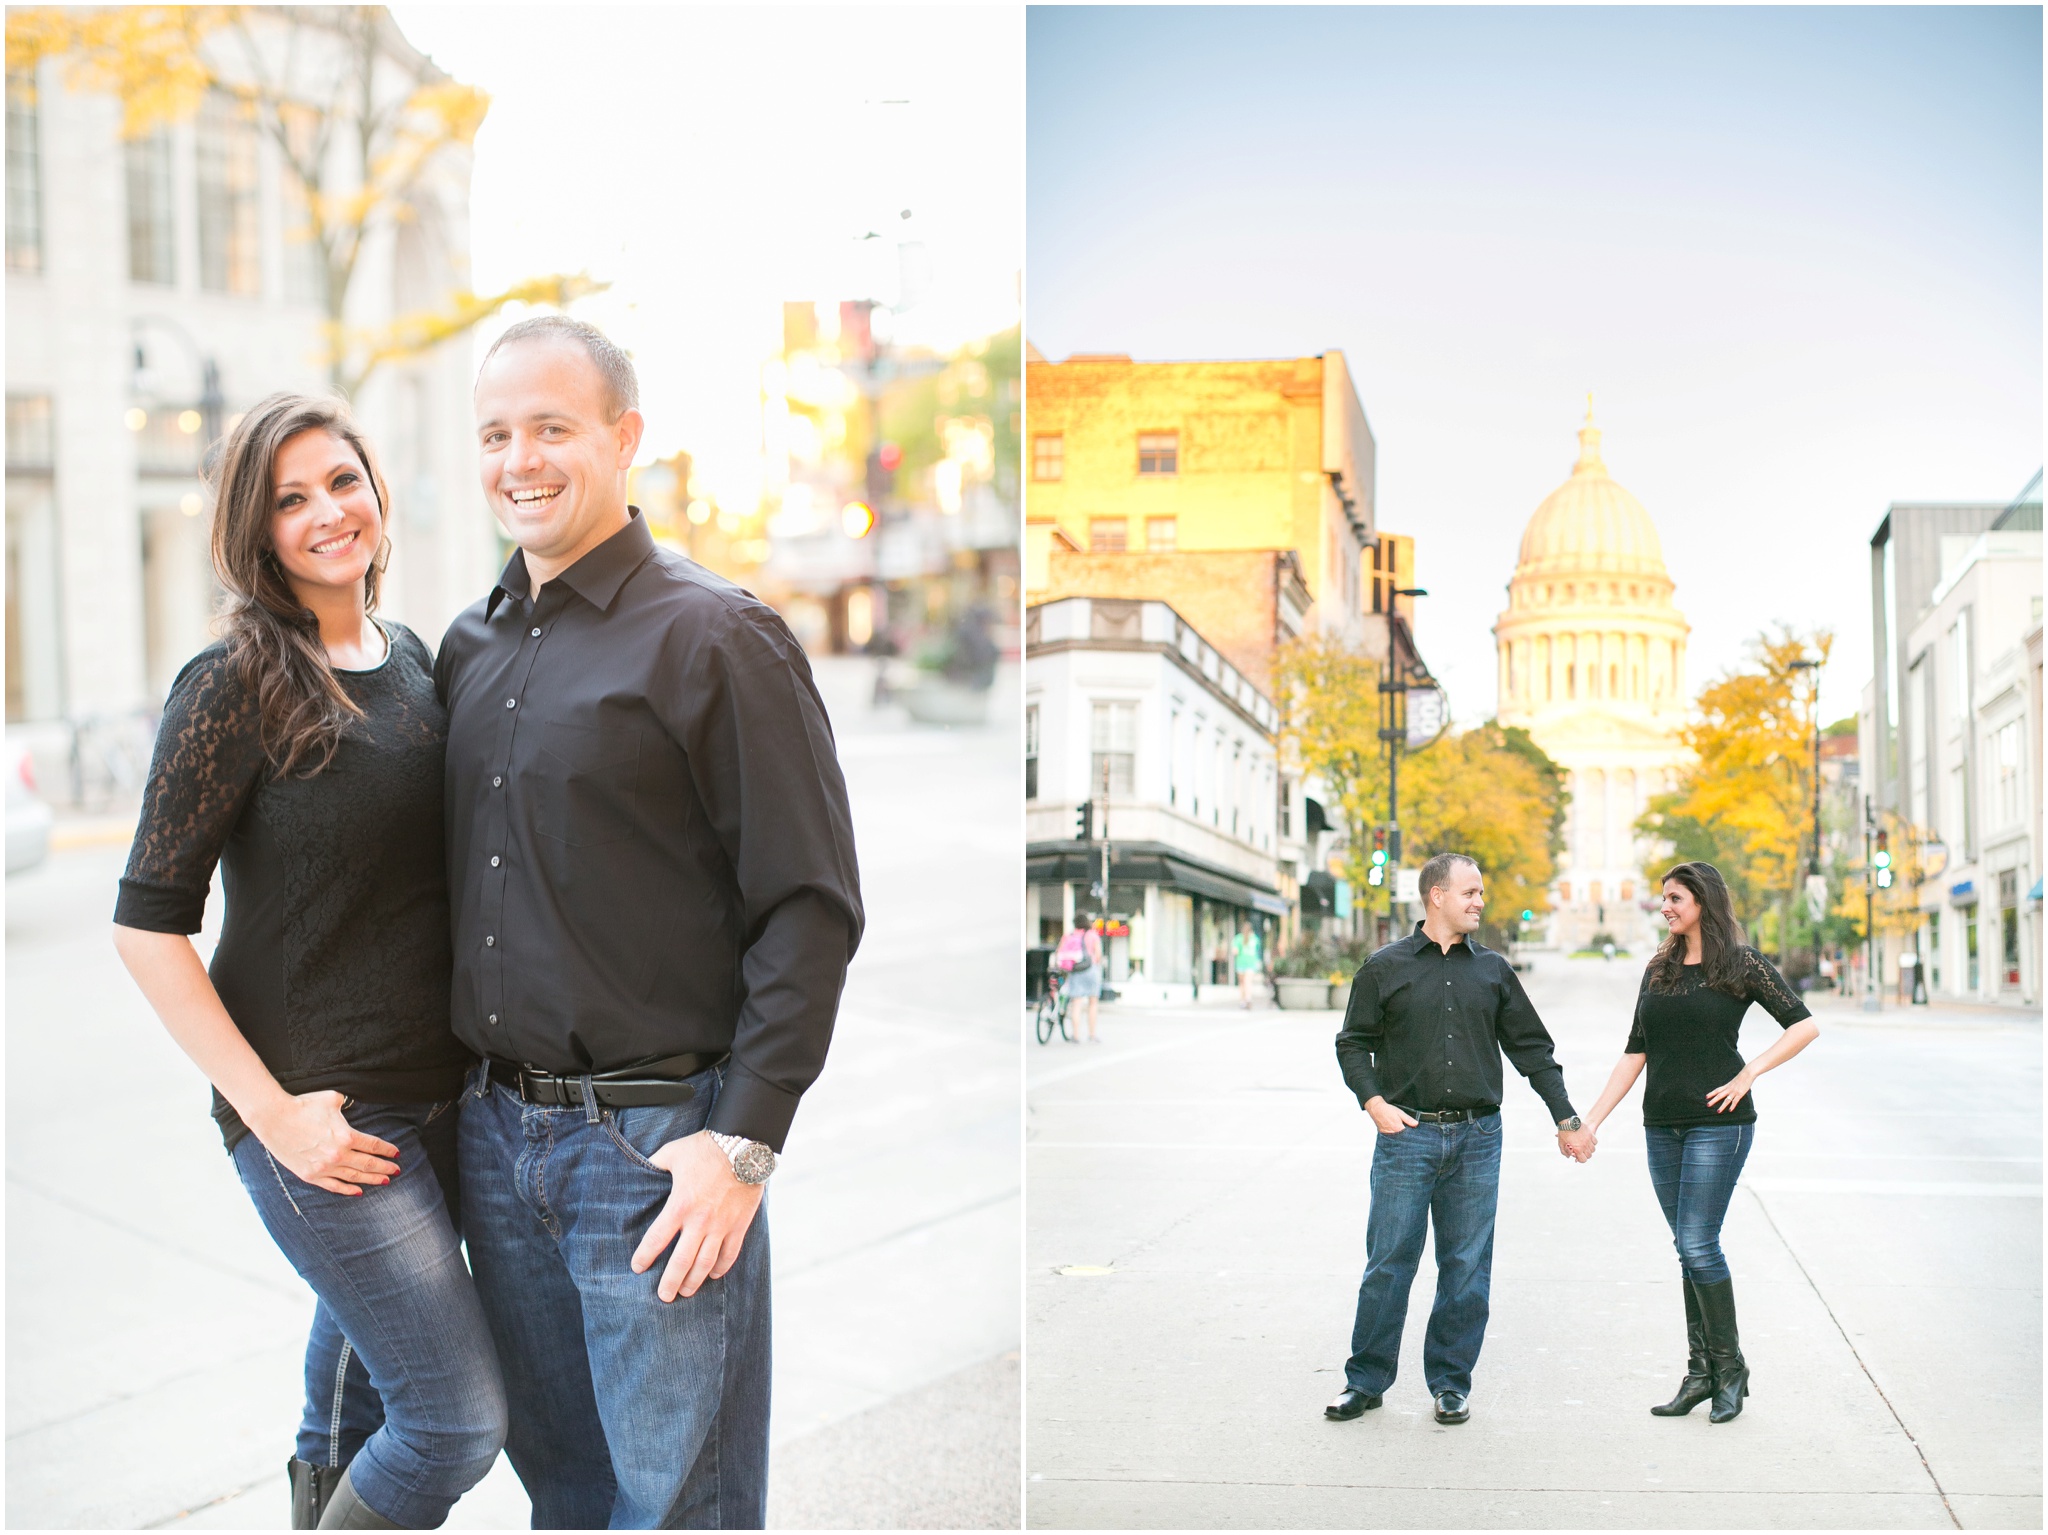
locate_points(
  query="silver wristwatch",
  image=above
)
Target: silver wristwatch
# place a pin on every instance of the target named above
(751, 1161)
(1566, 1126)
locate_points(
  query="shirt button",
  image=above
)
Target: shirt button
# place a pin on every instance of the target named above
(536, 634)
(494, 860)
(511, 703)
(497, 783)
(492, 1019)
(490, 940)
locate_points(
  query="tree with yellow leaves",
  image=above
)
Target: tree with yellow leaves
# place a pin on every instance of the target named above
(1745, 804)
(360, 122)
(1488, 792)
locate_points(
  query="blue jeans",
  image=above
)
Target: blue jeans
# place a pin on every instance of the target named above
(627, 1412)
(1693, 1170)
(1449, 1175)
(402, 1385)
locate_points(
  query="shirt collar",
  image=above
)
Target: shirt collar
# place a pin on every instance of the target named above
(1423, 941)
(596, 578)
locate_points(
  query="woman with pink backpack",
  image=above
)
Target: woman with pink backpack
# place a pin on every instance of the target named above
(1079, 960)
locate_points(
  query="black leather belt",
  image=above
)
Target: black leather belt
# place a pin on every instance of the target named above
(628, 1087)
(1448, 1116)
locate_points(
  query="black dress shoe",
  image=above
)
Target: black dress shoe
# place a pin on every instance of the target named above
(1451, 1407)
(1351, 1404)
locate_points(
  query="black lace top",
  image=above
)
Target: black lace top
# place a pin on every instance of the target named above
(1692, 1036)
(333, 958)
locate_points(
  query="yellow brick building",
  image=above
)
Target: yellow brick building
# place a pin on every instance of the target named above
(1203, 457)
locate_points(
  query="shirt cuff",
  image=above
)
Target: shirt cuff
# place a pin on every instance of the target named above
(159, 909)
(753, 1108)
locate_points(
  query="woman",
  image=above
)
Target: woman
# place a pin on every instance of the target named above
(1079, 958)
(304, 754)
(1696, 1108)
(1249, 964)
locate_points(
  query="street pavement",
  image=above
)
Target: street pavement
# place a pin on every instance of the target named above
(1196, 1233)
(154, 1334)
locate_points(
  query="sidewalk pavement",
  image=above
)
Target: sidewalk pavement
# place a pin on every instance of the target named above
(1197, 1232)
(155, 1334)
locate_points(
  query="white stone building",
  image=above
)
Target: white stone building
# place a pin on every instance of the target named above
(138, 271)
(1970, 755)
(1592, 663)
(1126, 692)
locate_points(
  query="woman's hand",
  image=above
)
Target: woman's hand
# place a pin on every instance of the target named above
(311, 1137)
(1731, 1092)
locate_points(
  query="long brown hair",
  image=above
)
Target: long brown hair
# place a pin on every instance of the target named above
(273, 639)
(1721, 937)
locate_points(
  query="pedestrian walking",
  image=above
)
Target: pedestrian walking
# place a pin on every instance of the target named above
(1429, 1018)
(1079, 960)
(303, 754)
(1246, 957)
(654, 892)
(1697, 1112)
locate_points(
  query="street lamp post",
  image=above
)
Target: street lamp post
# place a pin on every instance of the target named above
(1817, 906)
(1394, 730)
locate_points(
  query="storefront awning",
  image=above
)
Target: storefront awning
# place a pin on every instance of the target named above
(1149, 864)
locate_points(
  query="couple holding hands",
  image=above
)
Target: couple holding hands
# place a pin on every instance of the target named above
(532, 945)
(1430, 1017)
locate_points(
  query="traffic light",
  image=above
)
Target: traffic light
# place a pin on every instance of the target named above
(1377, 875)
(1528, 916)
(1084, 821)
(1883, 861)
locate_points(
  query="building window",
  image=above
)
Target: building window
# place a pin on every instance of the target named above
(1159, 453)
(1934, 950)
(229, 258)
(152, 243)
(1031, 751)
(30, 447)
(1628, 890)
(1049, 457)
(1108, 535)
(1564, 892)
(1113, 757)
(1613, 680)
(1970, 949)
(2005, 766)
(2009, 926)
(1286, 808)
(24, 176)
(1162, 534)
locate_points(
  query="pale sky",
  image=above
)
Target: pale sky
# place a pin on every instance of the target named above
(713, 162)
(1795, 254)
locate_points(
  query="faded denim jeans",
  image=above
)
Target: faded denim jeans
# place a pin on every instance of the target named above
(1693, 1168)
(627, 1412)
(1446, 1175)
(402, 1384)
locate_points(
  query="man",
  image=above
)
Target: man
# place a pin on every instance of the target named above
(1421, 1044)
(652, 870)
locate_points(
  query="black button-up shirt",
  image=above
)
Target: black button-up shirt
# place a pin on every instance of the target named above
(1426, 1028)
(649, 844)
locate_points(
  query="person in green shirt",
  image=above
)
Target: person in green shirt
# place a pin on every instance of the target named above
(1248, 961)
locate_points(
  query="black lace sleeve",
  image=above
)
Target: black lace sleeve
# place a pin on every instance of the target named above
(209, 755)
(1762, 984)
(1637, 1043)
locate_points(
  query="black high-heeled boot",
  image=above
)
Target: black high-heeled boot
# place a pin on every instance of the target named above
(1724, 1349)
(1698, 1384)
(346, 1511)
(312, 1486)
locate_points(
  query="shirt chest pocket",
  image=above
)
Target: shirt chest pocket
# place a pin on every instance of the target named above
(587, 784)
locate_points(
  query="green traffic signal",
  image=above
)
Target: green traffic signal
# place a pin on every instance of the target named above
(1528, 916)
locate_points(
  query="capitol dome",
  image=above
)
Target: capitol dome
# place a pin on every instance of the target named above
(1590, 525)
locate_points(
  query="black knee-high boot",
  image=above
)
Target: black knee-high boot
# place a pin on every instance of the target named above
(1724, 1349)
(346, 1511)
(312, 1486)
(1698, 1384)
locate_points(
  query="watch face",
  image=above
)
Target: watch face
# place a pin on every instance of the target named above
(754, 1163)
